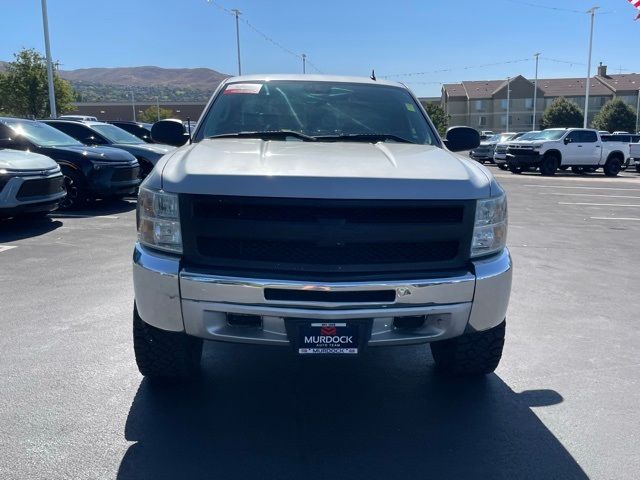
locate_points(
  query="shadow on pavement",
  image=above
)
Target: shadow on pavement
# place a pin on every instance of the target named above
(18, 228)
(261, 413)
(98, 208)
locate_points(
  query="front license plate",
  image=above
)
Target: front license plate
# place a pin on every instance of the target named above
(317, 338)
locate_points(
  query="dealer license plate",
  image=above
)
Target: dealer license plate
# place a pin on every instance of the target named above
(318, 338)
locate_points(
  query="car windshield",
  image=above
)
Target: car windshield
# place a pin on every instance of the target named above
(550, 134)
(116, 134)
(529, 136)
(41, 134)
(332, 111)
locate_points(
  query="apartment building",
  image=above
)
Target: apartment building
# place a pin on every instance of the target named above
(483, 104)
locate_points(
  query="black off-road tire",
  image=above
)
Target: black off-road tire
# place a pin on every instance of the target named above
(638, 167)
(549, 165)
(475, 353)
(163, 355)
(612, 167)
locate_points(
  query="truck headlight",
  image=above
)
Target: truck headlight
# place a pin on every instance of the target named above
(490, 228)
(158, 220)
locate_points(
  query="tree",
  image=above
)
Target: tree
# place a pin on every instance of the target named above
(438, 116)
(24, 89)
(562, 113)
(150, 115)
(615, 116)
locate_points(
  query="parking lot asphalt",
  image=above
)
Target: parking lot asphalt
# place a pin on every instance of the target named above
(562, 404)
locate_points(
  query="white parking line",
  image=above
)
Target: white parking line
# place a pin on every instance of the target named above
(587, 195)
(4, 248)
(585, 188)
(631, 219)
(599, 204)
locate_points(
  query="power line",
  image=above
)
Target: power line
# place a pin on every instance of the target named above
(549, 7)
(266, 37)
(468, 67)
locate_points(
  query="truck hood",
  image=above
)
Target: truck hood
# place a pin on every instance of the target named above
(25, 161)
(104, 154)
(254, 167)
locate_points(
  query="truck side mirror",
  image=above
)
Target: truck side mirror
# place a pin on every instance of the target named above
(461, 138)
(170, 132)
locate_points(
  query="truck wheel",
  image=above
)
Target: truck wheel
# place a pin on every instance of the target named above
(164, 355)
(502, 166)
(549, 165)
(475, 353)
(612, 167)
(638, 167)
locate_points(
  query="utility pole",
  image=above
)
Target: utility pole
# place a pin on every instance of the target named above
(304, 63)
(535, 92)
(237, 13)
(586, 96)
(508, 100)
(133, 105)
(638, 113)
(47, 47)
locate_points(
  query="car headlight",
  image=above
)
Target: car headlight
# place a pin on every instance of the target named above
(490, 228)
(158, 220)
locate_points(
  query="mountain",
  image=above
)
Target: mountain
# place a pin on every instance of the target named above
(193, 78)
(148, 83)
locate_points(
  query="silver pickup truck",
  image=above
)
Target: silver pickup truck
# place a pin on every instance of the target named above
(323, 214)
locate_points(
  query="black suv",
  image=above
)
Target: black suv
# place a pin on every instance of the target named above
(101, 133)
(89, 172)
(139, 129)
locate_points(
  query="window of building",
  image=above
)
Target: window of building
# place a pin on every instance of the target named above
(528, 103)
(503, 120)
(482, 121)
(504, 104)
(479, 105)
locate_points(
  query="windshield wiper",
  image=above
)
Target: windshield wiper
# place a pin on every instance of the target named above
(363, 137)
(277, 134)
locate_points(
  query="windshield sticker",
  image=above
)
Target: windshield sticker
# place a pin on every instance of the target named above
(410, 107)
(243, 88)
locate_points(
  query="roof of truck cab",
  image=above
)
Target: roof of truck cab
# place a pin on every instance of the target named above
(312, 78)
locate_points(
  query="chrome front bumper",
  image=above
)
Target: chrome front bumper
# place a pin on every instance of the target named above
(177, 299)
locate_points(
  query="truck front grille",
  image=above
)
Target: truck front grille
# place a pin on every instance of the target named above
(257, 236)
(40, 187)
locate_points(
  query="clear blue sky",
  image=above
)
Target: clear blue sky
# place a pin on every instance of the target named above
(339, 36)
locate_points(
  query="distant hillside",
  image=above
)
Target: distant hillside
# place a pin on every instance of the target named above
(147, 83)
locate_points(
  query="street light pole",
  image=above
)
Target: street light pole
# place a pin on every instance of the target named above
(586, 96)
(638, 112)
(304, 63)
(237, 14)
(535, 92)
(47, 47)
(508, 100)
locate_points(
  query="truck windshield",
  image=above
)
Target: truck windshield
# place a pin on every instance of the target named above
(41, 134)
(550, 134)
(326, 111)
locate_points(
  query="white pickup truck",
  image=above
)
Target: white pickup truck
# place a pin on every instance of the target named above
(581, 149)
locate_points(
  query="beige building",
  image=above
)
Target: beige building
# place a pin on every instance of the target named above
(483, 104)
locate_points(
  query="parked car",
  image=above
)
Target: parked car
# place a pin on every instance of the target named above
(30, 184)
(79, 117)
(89, 172)
(581, 149)
(484, 152)
(500, 152)
(105, 134)
(328, 218)
(140, 130)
